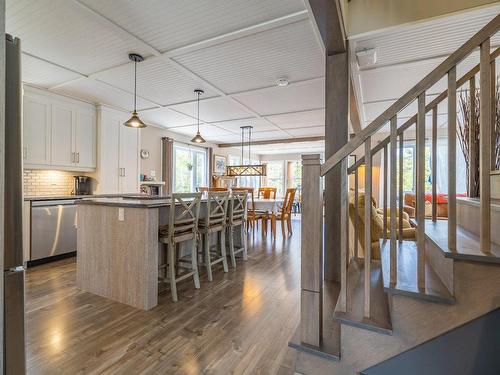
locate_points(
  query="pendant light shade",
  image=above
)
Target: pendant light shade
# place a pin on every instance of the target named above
(198, 138)
(135, 121)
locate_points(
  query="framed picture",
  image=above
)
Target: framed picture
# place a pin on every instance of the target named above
(219, 165)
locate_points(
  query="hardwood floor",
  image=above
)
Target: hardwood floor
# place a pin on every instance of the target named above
(238, 324)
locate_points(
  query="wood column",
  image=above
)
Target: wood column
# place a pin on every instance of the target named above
(336, 136)
(311, 309)
(452, 158)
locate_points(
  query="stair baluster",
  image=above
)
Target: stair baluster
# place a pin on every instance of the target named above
(452, 158)
(368, 226)
(393, 176)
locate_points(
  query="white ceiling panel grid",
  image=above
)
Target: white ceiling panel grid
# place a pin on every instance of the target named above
(156, 81)
(258, 60)
(257, 123)
(58, 31)
(209, 132)
(306, 132)
(43, 74)
(303, 119)
(166, 118)
(213, 110)
(100, 93)
(170, 24)
(292, 98)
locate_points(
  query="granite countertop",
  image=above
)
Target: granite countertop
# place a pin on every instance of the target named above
(128, 201)
(69, 196)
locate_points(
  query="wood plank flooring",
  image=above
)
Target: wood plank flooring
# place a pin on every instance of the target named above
(238, 324)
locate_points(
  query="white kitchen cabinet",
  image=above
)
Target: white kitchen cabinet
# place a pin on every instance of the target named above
(118, 165)
(59, 133)
(36, 131)
(62, 136)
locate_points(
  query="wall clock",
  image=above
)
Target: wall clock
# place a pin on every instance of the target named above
(145, 154)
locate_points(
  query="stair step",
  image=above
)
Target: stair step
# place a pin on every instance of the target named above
(330, 347)
(406, 283)
(380, 320)
(467, 243)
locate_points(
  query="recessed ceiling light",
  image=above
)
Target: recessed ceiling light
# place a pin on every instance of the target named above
(282, 82)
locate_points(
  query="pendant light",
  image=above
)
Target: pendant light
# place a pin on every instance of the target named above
(246, 169)
(135, 121)
(198, 138)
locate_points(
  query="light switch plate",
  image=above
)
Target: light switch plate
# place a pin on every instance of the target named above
(121, 214)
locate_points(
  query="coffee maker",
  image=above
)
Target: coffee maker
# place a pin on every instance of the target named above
(83, 185)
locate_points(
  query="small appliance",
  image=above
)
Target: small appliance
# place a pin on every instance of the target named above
(83, 185)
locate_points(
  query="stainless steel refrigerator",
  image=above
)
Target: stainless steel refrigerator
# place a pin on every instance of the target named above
(14, 324)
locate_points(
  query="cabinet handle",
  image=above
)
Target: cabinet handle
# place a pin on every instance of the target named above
(123, 172)
(78, 157)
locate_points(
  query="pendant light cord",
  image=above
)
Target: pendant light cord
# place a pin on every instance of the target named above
(198, 111)
(135, 86)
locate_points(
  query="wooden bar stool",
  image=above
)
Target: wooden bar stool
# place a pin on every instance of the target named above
(182, 226)
(214, 222)
(237, 210)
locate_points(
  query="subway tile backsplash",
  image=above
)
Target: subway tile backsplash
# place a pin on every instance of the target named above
(48, 182)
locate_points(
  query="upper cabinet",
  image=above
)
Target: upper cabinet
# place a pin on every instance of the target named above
(59, 133)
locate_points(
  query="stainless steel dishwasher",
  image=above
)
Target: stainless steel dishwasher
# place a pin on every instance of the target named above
(53, 228)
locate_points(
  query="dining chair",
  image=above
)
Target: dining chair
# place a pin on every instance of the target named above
(285, 214)
(253, 216)
(267, 192)
(182, 226)
(214, 223)
(204, 189)
(237, 208)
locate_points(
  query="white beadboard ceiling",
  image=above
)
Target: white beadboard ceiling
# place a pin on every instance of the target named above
(235, 50)
(407, 53)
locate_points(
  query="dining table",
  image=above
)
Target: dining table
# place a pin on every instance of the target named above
(270, 205)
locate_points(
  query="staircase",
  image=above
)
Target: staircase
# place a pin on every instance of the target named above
(417, 290)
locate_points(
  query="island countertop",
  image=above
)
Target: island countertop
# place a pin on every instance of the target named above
(131, 201)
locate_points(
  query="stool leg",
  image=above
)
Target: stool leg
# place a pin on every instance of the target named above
(194, 263)
(208, 261)
(231, 246)
(244, 241)
(171, 269)
(223, 249)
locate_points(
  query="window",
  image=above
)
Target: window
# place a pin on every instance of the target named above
(294, 174)
(276, 176)
(190, 168)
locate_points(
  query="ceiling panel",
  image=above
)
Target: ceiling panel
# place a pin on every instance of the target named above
(157, 81)
(297, 147)
(257, 123)
(292, 98)
(166, 118)
(270, 134)
(40, 73)
(307, 132)
(213, 110)
(436, 37)
(168, 24)
(299, 119)
(61, 32)
(258, 60)
(209, 132)
(100, 93)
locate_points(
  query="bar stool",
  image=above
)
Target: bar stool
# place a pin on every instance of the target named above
(214, 222)
(237, 211)
(182, 226)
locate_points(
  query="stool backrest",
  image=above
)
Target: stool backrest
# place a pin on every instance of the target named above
(237, 206)
(249, 191)
(217, 208)
(184, 213)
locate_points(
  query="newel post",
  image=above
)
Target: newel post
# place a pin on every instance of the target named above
(311, 252)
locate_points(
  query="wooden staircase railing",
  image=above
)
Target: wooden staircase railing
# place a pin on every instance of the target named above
(312, 223)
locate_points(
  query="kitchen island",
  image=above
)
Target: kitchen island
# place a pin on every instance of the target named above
(118, 252)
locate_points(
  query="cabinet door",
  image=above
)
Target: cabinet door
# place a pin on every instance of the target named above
(109, 155)
(129, 162)
(85, 140)
(62, 150)
(36, 131)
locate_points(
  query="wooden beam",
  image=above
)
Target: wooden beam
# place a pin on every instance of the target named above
(354, 110)
(274, 141)
(427, 82)
(328, 17)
